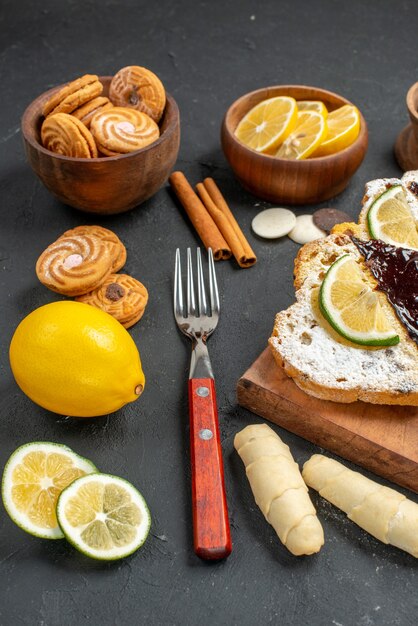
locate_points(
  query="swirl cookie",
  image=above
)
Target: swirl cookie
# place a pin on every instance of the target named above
(121, 130)
(87, 111)
(65, 134)
(74, 265)
(120, 295)
(73, 95)
(116, 247)
(138, 88)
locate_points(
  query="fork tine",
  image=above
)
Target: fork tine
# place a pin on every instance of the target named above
(213, 286)
(191, 302)
(178, 288)
(201, 292)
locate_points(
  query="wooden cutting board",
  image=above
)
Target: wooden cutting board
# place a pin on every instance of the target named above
(381, 438)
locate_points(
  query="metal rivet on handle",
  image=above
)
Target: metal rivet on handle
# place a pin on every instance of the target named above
(203, 392)
(205, 434)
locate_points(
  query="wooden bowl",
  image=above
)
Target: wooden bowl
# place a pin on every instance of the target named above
(109, 184)
(289, 181)
(406, 146)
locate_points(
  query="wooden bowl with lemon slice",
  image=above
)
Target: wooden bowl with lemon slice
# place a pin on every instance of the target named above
(292, 180)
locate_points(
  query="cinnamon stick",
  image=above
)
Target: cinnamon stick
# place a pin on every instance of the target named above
(205, 226)
(226, 222)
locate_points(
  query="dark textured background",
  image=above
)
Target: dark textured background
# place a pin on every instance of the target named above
(207, 54)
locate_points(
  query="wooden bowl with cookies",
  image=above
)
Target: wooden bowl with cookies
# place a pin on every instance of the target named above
(99, 155)
(291, 180)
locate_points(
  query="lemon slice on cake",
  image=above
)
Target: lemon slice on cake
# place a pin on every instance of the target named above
(343, 129)
(33, 479)
(352, 306)
(390, 219)
(267, 124)
(103, 516)
(309, 132)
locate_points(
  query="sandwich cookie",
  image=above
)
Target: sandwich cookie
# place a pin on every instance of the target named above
(73, 95)
(138, 88)
(74, 265)
(122, 296)
(65, 134)
(116, 247)
(121, 130)
(87, 111)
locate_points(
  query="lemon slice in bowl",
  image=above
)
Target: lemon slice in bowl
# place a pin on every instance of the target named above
(343, 129)
(103, 516)
(352, 306)
(309, 132)
(313, 105)
(267, 124)
(390, 219)
(33, 479)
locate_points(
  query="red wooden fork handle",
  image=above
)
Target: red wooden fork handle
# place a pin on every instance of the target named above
(212, 538)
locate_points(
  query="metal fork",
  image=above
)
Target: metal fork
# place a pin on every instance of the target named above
(211, 533)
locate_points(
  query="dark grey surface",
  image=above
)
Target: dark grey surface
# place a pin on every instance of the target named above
(207, 54)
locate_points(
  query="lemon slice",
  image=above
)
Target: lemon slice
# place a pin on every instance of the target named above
(352, 307)
(309, 132)
(390, 219)
(33, 478)
(103, 516)
(343, 129)
(268, 123)
(313, 105)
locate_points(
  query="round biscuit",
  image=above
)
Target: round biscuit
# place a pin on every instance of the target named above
(120, 295)
(116, 247)
(66, 91)
(87, 111)
(74, 265)
(64, 134)
(138, 88)
(121, 130)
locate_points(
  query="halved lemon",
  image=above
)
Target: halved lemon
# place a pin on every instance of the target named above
(309, 132)
(343, 129)
(33, 479)
(352, 307)
(313, 105)
(390, 219)
(268, 123)
(103, 516)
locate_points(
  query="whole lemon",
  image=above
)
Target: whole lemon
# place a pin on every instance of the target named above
(74, 359)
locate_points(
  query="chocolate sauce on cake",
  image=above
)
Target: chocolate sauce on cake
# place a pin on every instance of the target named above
(396, 271)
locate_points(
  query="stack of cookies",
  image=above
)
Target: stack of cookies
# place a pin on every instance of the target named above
(80, 122)
(83, 263)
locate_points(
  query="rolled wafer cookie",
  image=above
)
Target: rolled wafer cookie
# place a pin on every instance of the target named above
(138, 88)
(65, 134)
(121, 130)
(383, 512)
(117, 249)
(122, 296)
(86, 112)
(74, 265)
(73, 95)
(279, 489)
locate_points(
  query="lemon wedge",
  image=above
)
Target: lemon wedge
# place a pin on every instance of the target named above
(390, 219)
(103, 516)
(33, 479)
(268, 123)
(352, 306)
(309, 132)
(343, 129)
(313, 105)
